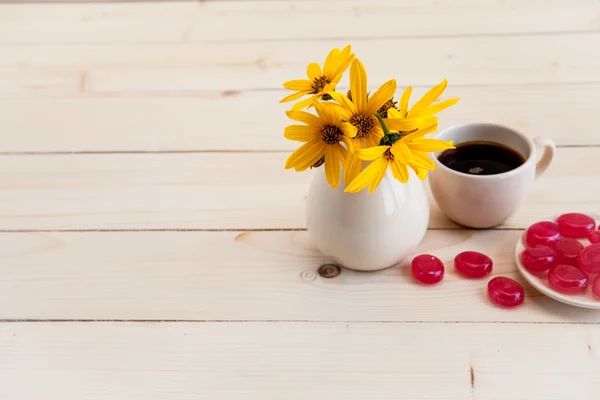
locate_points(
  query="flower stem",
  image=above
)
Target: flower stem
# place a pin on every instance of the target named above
(386, 131)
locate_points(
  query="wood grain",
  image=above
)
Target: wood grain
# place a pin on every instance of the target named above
(174, 122)
(188, 21)
(299, 361)
(218, 191)
(66, 70)
(256, 276)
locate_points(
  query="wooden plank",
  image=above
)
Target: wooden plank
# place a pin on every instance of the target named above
(96, 23)
(185, 68)
(238, 275)
(298, 361)
(186, 21)
(202, 121)
(218, 191)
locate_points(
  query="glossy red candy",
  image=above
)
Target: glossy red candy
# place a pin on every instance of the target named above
(594, 237)
(538, 259)
(543, 233)
(589, 259)
(427, 269)
(505, 292)
(575, 225)
(473, 264)
(567, 251)
(596, 287)
(567, 279)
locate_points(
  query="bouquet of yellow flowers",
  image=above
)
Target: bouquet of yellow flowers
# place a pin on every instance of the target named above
(349, 129)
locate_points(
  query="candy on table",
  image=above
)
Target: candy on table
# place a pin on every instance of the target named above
(594, 237)
(427, 269)
(567, 279)
(575, 225)
(505, 292)
(543, 233)
(473, 264)
(589, 258)
(596, 286)
(567, 251)
(538, 259)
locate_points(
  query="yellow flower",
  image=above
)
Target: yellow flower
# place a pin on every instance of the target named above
(320, 82)
(409, 150)
(422, 108)
(361, 114)
(323, 134)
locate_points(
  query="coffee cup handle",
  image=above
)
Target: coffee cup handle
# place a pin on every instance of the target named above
(545, 148)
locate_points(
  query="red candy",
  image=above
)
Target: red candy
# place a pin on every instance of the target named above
(575, 225)
(505, 292)
(589, 259)
(567, 251)
(538, 259)
(596, 287)
(594, 237)
(543, 233)
(427, 269)
(473, 264)
(567, 279)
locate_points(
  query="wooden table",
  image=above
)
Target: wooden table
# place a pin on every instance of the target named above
(153, 246)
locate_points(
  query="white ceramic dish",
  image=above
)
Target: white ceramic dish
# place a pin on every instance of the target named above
(583, 300)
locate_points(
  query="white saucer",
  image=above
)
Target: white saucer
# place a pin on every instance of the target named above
(583, 300)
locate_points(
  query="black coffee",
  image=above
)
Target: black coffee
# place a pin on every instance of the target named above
(481, 158)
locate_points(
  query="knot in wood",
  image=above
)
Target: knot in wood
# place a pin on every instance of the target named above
(329, 271)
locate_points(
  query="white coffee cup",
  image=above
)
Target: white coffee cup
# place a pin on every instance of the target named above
(483, 201)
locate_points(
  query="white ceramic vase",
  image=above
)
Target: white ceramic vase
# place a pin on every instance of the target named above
(367, 231)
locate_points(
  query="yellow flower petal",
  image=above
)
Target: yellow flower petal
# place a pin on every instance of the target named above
(428, 145)
(348, 129)
(367, 175)
(429, 97)
(301, 133)
(303, 116)
(381, 173)
(422, 161)
(399, 171)
(404, 101)
(349, 145)
(436, 108)
(373, 140)
(298, 84)
(332, 166)
(344, 61)
(429, 128)
(330, 114)
(383, 94)
(401, 152)
(328, 66)
(305, 103)
(403, 124)
(294, 96)
(342, 153)
(313, 71)
(306, 155)
(344, 101)
(393, 113)
(372, 153)
(353, 163)
(358, 84)
(421, 173)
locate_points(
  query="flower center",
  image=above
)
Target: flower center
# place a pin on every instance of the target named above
(319, 84)
(331, 134)
(363, 123)
(388, 155)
